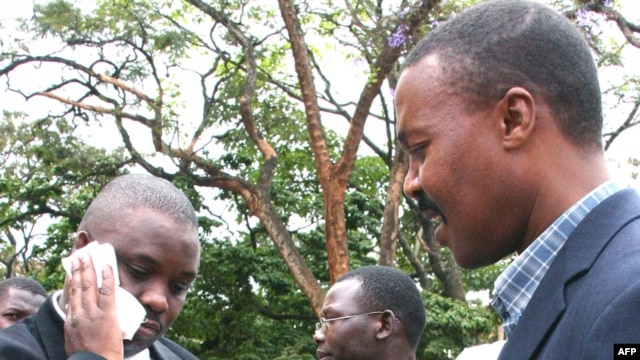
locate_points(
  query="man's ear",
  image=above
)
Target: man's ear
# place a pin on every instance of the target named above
(386, 325)
(518, 111)
(82, 239)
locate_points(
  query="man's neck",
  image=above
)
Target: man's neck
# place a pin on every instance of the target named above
(397, 352)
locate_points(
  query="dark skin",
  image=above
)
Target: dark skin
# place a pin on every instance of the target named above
(373, 337)
(88, 306)
(499, 175)
(157, 262)
(18, 305)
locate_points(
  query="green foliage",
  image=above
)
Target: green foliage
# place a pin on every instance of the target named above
(247, 294)
(48, 173)
(483, 278)
(294, 353)
(247, 307)
(453, 325)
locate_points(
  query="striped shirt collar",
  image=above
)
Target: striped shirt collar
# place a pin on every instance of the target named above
(517, 283)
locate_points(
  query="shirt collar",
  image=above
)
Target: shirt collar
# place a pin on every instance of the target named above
(517, 283)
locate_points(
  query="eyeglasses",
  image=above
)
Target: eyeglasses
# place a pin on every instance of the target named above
(324, 322)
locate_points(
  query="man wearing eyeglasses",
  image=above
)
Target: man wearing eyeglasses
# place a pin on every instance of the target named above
(372, 313)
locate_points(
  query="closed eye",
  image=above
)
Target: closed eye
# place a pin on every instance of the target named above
(179, 288)
(418, 150)
(11, 316)
(136, 272)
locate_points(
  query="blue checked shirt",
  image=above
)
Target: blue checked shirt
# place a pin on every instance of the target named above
(517, 283)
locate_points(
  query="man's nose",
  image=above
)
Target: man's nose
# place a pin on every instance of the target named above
(155, 297)
(318, 336)
(412, 187)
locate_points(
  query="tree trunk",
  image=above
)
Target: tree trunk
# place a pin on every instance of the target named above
(390, 224)
(336, 232)
(281, 238)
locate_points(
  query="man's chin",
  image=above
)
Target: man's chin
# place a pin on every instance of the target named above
(471, 259)
(136, 345)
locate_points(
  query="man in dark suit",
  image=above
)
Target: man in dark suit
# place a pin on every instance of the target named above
(153, 229)
(500, 111)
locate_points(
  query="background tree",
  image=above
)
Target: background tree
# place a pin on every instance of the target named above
(277, 120)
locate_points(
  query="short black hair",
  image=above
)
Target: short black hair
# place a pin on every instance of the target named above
(494, 46)
(133, 191)
(21, 283)
(386, 288)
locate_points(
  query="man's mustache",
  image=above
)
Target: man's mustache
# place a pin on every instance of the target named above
(424, 203)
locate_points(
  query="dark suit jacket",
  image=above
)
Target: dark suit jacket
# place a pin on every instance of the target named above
(590, 297)
(42, 337)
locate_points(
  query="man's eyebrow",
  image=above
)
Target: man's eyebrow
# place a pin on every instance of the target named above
(148, 259)
(324, 311)
(189, 274)
(328, 310)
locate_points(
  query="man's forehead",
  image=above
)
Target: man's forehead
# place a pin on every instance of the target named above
(22, 296)
(417, 86)
(429, 62)
(342, 291)
(426, 72)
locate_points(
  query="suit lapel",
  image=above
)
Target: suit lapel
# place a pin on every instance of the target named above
(50, 328)
(544, 309)
(574, 259)
(160, 352)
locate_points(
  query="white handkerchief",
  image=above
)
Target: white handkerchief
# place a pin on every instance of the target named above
(130, 312)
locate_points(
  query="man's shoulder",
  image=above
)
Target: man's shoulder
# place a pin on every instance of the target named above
(616, 219)
(606, 245)
(36, 337)
(20, 341)
(163, 345)
(629, 198)
(622, 218)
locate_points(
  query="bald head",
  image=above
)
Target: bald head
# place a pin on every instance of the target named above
(133, 191)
